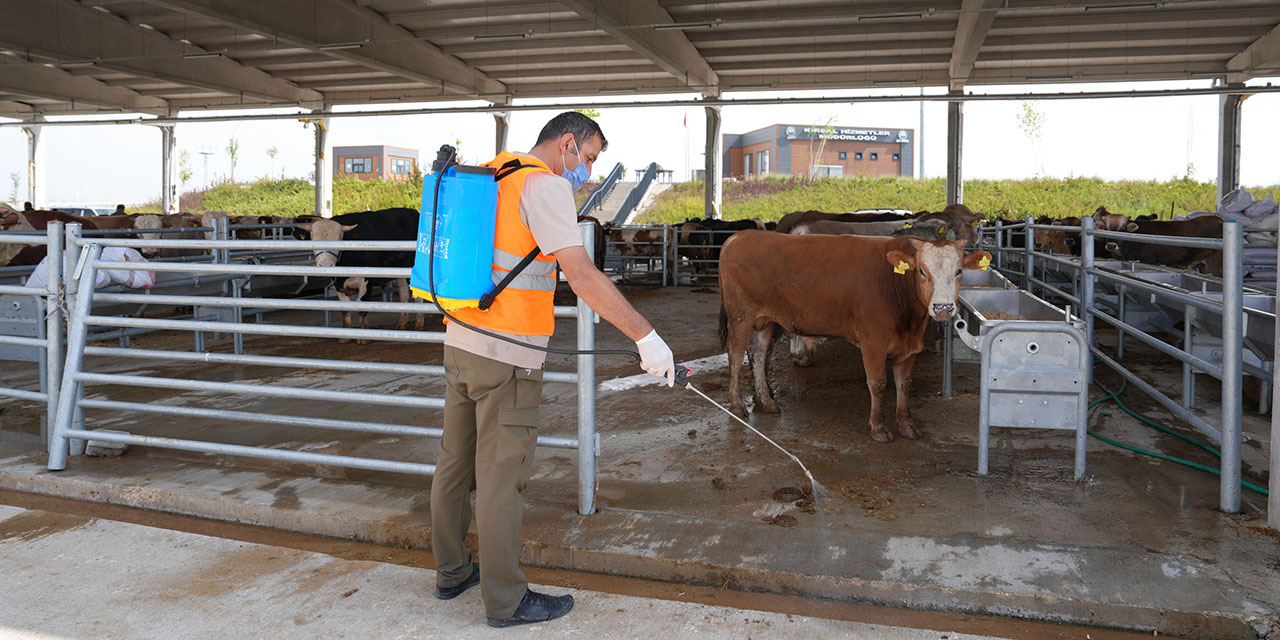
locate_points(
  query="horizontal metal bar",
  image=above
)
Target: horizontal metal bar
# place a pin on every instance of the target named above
(23, 341)
(551, 442)
(1160, 345)
(1171, 241)
(288, 245)
(289, 303)
(1215, 435)
(15, 290)
(40, 238)
(298, 363)
(430, 337)
(258, 269)
(256, 452)
(275, 391)
(1168, 293)
(1056, 291)
(1056, 258)
(22, 394)
(171, 284)
(98, 233)
(1057, 227)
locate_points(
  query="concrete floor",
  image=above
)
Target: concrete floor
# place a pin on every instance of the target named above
(685, 495)
(73, 577)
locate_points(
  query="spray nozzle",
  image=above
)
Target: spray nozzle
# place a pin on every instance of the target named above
(444, 158)
(681, 374)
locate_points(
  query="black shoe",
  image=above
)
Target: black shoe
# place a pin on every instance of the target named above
(536, 607)
(449, 593)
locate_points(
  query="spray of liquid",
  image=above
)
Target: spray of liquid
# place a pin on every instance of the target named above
(820, 493)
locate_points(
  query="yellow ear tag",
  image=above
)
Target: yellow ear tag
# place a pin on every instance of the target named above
(984, 263)
(902, 267)
(906, 225)
(976, 223)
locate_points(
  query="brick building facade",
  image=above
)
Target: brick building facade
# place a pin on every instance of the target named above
(380, 161)
(820, 150)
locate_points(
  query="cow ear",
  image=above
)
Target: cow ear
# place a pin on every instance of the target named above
(901, 261)
(305, 227)
(977, 260)
(348, 227)
(1131, 227)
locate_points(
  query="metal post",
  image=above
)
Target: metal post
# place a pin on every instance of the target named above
(1120, 333)
(1273, 497)
(53, 327)
(1232, 363)
(58, 444)
(1228, 143)
(1086, 292)
(501, 123)
(947, 346)
(955, 147)
(1000, 236)
(1188, 373)
(222, 230)
(586, 394)
(323, 169)
(670, 261)
(168, 167)
(1028, 270)
(35, 162)
(714, 182)
(71, 277)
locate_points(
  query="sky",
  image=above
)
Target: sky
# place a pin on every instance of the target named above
(1113, 139)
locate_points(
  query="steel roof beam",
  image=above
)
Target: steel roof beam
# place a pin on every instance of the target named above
(63, 31)
(1190, 36)
(971, 30)
(1118, 21)
(1263, 53)
(15, 109)
(669, 49)
(495, 9)
(314, 24)
(790, 67)
(516, 46)
(904, 29)
(39, 81)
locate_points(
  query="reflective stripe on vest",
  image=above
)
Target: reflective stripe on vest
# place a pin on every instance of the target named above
(537, 276)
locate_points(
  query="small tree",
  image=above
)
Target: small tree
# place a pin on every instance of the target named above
(271, 153)
(1031, 122)
(590, 113)
(184, 167)
(828, 130)
(13, 193)
(233, 151)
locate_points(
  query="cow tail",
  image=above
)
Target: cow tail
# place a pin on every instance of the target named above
(723, 331)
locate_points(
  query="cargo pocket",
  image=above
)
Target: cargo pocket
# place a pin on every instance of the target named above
(516, 435)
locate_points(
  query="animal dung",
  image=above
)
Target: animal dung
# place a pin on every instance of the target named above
(784, 521)
(788, 494)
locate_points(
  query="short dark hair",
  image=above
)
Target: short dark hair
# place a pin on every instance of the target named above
(581, 126)
(119, 207)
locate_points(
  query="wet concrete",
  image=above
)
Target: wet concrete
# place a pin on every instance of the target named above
(687, 496)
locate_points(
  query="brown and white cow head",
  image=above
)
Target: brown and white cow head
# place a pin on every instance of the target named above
(935, 269)
(325, 230)
(142, 223)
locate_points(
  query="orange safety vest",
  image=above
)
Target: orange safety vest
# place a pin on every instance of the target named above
(526, 307)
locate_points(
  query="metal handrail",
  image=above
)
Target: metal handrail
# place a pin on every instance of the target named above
(597, 197)
(637, 194)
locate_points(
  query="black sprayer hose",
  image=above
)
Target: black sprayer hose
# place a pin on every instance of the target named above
(431, 280)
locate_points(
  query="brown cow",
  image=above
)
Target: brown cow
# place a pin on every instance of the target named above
(148, 221)
(789, 221)
(597, 233)
(877, 292)
(1210, 260)
(14, 255)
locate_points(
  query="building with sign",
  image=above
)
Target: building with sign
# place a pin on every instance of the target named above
(368, 163)
(822, 150)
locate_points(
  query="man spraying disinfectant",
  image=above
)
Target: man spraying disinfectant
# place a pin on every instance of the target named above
(500, 320)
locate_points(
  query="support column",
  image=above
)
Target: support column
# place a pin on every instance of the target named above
(324, 168)
(1228, 143)
(714, 181)
(168, 170)
(35, 163)
(501, 124)
(1273, 487)
(955, 145)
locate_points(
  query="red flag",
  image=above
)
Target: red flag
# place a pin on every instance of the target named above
(686, 118)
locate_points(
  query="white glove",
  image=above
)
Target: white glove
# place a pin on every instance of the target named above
(656, 357)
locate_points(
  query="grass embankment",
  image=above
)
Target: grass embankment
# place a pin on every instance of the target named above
(771, 197)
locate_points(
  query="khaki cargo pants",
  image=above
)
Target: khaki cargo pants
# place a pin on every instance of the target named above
(490, 429)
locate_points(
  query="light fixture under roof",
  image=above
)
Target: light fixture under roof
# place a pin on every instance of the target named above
(681, 26)
(338, 46)
(202, 55)
(77, 64)
(890, 16)
(495, 36)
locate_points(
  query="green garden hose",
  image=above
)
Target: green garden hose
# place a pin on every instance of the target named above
(1114, 396)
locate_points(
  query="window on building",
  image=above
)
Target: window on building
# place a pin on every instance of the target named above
(828, 170)
(762, 162)
(746, 163)
(357, 165)
(857, 155)
(401, 166)
(897, 157)
(875, 156)
(844, 155)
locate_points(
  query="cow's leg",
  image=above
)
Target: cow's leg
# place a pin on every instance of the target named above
(873, 362)
(407, 296)
(902, 381)
(803, 349)
(364, 324)
(346, 317)
(761, 340)
(402, 286)
(736, 341)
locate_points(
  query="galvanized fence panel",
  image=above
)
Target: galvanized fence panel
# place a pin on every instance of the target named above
(69, 432)
(33, 324)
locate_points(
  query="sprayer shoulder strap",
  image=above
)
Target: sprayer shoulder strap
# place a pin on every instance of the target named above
(487, 299)
(510, 167)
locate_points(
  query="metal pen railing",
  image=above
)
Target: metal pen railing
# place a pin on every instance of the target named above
(43, 323)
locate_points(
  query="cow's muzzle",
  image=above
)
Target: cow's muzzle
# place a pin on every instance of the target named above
(1113, 248)
(943, 312)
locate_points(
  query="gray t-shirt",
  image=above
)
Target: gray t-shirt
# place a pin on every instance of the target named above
(547, 208)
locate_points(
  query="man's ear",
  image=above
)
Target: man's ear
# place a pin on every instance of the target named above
(901, 261)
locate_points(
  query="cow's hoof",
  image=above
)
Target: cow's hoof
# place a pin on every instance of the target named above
(767, 407)
(881, 435)
(738, 410)
(906, 430)
(344, 340)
